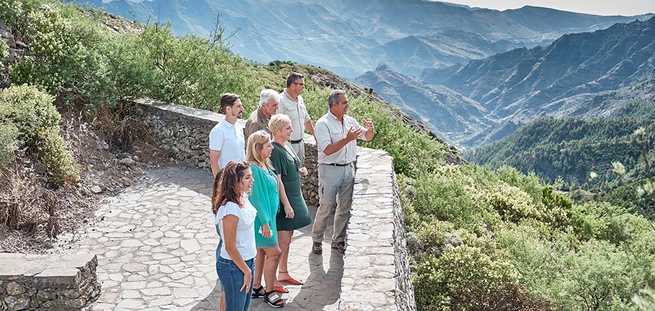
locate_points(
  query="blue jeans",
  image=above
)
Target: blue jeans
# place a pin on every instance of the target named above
(232, 279)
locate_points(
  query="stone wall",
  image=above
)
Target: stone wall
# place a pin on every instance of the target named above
(376, 272)
(376, 269)
(183, 132)
(33, 282)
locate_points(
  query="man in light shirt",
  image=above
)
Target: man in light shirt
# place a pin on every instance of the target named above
(336, 139)
(226, 141)
(292, 104)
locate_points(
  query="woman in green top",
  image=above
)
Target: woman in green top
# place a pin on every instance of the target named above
(266, 195)
(288, 167)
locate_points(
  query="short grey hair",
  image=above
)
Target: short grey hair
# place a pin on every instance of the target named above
(268, 94)
(334, 97)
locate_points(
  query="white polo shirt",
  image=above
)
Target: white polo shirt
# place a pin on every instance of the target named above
(329, 130)
(228, 139)
(297, 112)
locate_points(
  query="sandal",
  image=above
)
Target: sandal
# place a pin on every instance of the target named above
(258, 292)
(280, 289)
(290, 280)
(274, 299)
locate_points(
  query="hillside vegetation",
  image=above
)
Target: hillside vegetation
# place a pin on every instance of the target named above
(613, 157)
(480, 239)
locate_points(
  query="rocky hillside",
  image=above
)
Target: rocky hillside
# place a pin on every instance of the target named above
(351, 37)
(520, 82)
(451, 115)
(613, 156)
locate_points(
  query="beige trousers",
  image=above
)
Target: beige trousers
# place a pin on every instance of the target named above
(335, 190)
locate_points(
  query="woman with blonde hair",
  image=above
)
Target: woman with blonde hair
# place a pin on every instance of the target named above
(267, 193)
(289, 169)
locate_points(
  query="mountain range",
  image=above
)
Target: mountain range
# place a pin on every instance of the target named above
(351, 37)
(578, 75)
(476, 75)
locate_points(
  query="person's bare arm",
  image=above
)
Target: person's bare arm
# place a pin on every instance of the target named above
(214, 163)
(309, 126)
(370, 130)
(350, 136)
(230, 239)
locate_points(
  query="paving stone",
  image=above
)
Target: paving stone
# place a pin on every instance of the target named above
(174, 266)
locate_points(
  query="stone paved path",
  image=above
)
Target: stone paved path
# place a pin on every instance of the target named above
(156, 250)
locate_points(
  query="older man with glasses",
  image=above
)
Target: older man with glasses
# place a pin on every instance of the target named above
(292, 104)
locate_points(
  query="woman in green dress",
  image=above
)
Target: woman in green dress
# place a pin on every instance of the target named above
(266, 195)
(288, 167)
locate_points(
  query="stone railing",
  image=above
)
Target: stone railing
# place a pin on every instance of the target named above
(376, 270)
(52, 282)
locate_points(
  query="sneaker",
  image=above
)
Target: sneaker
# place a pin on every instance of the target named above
(317, 248)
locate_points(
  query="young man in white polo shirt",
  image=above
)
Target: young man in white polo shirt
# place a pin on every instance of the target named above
(336, 139)
(226, 141)
(292, 104)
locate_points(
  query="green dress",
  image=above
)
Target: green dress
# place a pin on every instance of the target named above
(265, 197)
(287, 164)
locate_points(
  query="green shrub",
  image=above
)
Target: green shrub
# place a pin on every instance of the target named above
(60, 58)
(36, 120)
(513, 204)
(4, 52)
(29, 109)
(57, 160)
(8, 143)
(465, 278)
(600, 277)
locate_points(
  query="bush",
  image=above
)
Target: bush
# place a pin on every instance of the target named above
(465, 278)
(8, 143)
(60, 58)
(29, 109)
(58, 161)
(513, 204)
(36, 120)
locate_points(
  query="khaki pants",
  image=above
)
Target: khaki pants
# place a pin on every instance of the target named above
(335, 188)
(299, 149)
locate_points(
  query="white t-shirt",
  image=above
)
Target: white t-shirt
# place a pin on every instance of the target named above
(228, 139)
(245, 228)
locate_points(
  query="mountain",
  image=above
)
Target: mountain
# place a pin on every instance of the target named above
(352, 37)
(451, 115)
(572, 76)
(521, 81)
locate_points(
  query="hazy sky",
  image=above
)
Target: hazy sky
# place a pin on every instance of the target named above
(600, 7)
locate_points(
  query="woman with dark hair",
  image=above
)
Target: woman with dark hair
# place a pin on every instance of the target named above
(235, 220)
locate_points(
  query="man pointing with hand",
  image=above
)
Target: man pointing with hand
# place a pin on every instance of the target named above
(336, 137)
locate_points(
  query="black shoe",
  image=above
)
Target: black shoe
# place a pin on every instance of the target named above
(339, 247)
(258, 292)
(317, 248)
